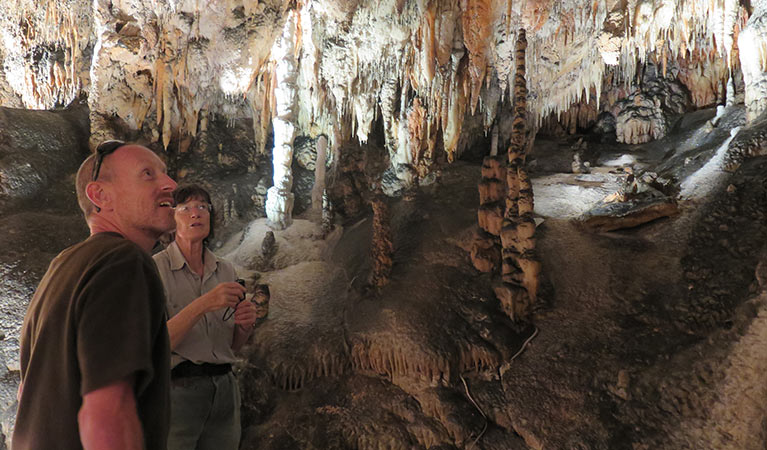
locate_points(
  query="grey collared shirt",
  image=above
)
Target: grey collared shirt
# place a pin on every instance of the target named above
(210, 339)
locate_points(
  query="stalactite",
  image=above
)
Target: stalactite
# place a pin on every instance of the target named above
(41, 47)
(259, 100)
(730, 21)
(476, 20)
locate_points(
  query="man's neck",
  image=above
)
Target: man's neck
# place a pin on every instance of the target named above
(99, 224)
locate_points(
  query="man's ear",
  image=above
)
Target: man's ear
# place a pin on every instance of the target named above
(97, 195)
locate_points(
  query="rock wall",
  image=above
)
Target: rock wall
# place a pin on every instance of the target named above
(39, 153)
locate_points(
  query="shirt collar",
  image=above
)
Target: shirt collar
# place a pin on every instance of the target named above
(177, 260)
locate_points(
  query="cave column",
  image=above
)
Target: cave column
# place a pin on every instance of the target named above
(752, 44)
(279, 198)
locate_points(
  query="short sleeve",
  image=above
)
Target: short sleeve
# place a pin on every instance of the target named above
(162, 263)
(116, 321)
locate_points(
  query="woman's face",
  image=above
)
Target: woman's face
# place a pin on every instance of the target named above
(192, 220)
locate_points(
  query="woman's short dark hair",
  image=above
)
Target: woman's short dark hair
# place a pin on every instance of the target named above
(187, 192)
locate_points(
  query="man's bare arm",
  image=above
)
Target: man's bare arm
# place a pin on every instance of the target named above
(108, 418)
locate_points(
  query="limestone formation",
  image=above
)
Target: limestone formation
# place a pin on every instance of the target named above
(520, 268)
(646, 115)
(164, 70)
(752, 42)
(628, 214)
(486, 252)
(268, 249)
(327, 214)
(381, 248)
(279, 199)
(318, 190)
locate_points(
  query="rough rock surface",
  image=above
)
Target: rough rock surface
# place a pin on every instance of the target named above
(40, 217)
(615, 216)
(648, 114)
(36, 148)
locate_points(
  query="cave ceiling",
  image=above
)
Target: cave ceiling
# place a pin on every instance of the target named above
(420, 67)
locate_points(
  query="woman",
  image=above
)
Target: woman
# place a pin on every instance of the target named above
(207, 323)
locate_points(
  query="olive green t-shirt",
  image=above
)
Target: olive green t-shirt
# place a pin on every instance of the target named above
(97, 317)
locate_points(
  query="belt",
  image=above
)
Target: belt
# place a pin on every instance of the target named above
(190, 369)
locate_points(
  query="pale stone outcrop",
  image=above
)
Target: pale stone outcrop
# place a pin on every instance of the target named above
(752, 43)
(279, 200)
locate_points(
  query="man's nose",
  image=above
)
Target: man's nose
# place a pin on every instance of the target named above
(167, 183)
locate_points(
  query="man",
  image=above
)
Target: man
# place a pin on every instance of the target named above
(94, 344)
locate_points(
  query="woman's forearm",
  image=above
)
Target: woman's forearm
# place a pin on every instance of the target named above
(241, 335)
(180, 324)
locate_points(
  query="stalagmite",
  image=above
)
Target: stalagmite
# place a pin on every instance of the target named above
(382, 248)
(279, 198)
(319, 176)
(485, 251)
(327, 214)
(520, 267)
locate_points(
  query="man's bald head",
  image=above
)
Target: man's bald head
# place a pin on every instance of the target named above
(85, 176)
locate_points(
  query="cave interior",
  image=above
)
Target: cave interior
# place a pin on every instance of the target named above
(496, 224)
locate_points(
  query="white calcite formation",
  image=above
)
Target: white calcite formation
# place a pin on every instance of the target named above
(753, 50)
(421, 68)
(279, 199)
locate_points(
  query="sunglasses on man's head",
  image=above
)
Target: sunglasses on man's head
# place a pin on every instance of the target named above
(104, 149)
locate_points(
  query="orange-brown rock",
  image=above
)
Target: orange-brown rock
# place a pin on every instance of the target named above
(494, 167)
(382, 248)
(514, 299)
(491, 190)
(490, 217)
(485, 255)
(531, 270)
(615, 216)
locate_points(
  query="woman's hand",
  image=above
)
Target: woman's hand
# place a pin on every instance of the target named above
(246, 315)
(224, 295)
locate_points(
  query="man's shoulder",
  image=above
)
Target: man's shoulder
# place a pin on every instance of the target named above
(162, 260)
(161, 255)
(106, 246)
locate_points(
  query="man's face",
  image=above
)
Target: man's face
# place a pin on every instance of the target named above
(140, 191)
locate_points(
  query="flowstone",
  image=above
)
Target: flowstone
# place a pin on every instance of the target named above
(332, 355)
